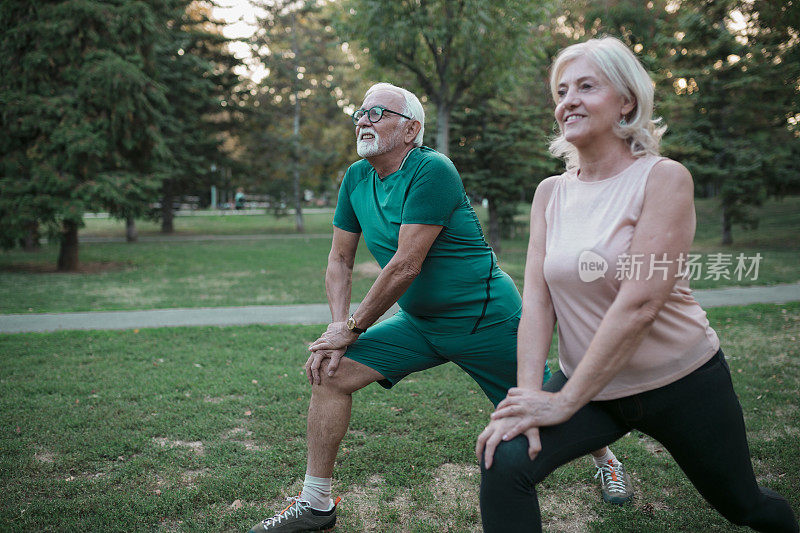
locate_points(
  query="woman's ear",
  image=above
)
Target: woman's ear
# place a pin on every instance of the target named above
(628, 105)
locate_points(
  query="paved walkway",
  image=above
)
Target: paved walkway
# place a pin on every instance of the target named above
(303, 314)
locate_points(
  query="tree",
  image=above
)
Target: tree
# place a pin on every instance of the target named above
(711, 60)
(298, 107)
(500, 139)
(80, 115)
(738, 149)
(448, 47)
(203, 93)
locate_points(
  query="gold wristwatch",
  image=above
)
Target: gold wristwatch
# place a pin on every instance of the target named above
(351, 325)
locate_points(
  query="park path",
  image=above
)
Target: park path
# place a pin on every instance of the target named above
(303, 314)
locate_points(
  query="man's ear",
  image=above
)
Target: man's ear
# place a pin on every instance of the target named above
(412, 130)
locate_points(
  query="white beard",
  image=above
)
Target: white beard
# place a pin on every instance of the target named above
(369, 147)
(377, 145)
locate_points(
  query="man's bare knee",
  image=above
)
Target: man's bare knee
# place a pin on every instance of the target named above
(348, 378)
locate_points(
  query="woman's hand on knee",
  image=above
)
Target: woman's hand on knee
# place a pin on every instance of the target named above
(533, 407)
(496, 432)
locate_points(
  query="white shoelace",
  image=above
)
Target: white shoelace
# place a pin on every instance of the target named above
(610, 471)
(294, 509)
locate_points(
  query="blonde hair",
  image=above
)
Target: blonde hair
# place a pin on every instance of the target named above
(629, 78)
(413, 107)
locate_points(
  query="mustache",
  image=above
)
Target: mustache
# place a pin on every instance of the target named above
(367, 129)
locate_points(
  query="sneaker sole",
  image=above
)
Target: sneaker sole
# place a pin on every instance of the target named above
(617, 500)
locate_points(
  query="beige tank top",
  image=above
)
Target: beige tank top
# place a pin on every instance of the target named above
(589, 231)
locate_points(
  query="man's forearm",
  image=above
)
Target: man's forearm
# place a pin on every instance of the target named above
(338, 286)
(390, 285)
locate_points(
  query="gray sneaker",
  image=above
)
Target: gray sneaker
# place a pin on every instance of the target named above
(298, 517)
(614, 483)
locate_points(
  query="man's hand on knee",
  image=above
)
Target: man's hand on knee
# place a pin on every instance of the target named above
(314, 364)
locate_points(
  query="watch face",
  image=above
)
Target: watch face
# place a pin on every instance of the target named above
(351, 323)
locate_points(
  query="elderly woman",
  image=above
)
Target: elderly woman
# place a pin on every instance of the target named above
(635, 349)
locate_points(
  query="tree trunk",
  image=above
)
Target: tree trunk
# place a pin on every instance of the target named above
(131, 235)
(167, 215)
(494, 227)
(30, 243)
(298, 207)
(727, 235)
(68, 254)
(443, 128)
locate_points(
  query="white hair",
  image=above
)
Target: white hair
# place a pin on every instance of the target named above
(629, 78)
(413, 107)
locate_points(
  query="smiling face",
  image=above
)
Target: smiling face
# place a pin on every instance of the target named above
(388, 133)
(588, 106)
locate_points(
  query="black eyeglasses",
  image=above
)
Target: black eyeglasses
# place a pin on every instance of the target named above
(374, 114)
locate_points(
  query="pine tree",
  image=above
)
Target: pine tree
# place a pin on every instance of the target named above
(80, 115)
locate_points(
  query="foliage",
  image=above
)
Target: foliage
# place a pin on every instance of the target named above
(499, 153)
(448, 48)
(204, 105)
(711, 61)
(298, 136)
(104, 101)
(80, 114)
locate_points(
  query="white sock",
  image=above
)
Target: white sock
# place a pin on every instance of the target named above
(317, 492)
(609, 456)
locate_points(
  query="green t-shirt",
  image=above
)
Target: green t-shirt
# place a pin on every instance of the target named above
(460, 286)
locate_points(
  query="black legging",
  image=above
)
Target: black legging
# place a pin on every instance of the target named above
(699, 421)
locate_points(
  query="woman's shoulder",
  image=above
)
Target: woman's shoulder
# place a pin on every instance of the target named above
(547, 185)
(669, 173)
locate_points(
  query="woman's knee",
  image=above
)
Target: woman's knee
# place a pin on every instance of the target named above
(510, 462)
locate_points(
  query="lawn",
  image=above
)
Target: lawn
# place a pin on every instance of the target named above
(271, 269)
(227, 223)
(201, 429)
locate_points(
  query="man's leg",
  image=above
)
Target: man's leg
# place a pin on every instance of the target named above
(329, 412)
(328, 418)
(386, 353)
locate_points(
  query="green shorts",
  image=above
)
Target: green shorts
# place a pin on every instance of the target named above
(397, 348)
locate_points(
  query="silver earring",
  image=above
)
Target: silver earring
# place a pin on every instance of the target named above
(623, 122)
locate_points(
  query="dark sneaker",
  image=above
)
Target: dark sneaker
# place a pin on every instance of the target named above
(298, 517)
(614, 483)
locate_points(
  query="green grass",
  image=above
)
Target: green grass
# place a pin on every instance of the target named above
(202, 429)
(229, 223)
(275, 270)
(164, 274)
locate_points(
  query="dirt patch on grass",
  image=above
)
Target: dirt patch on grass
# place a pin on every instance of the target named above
(455, 488)
(653, 446)
(236, 434)
(196, 446)
(45, 456)
(567, 508)
(87, 267)
(189, 477)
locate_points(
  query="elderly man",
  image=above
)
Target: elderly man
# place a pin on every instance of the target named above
(455, 303)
